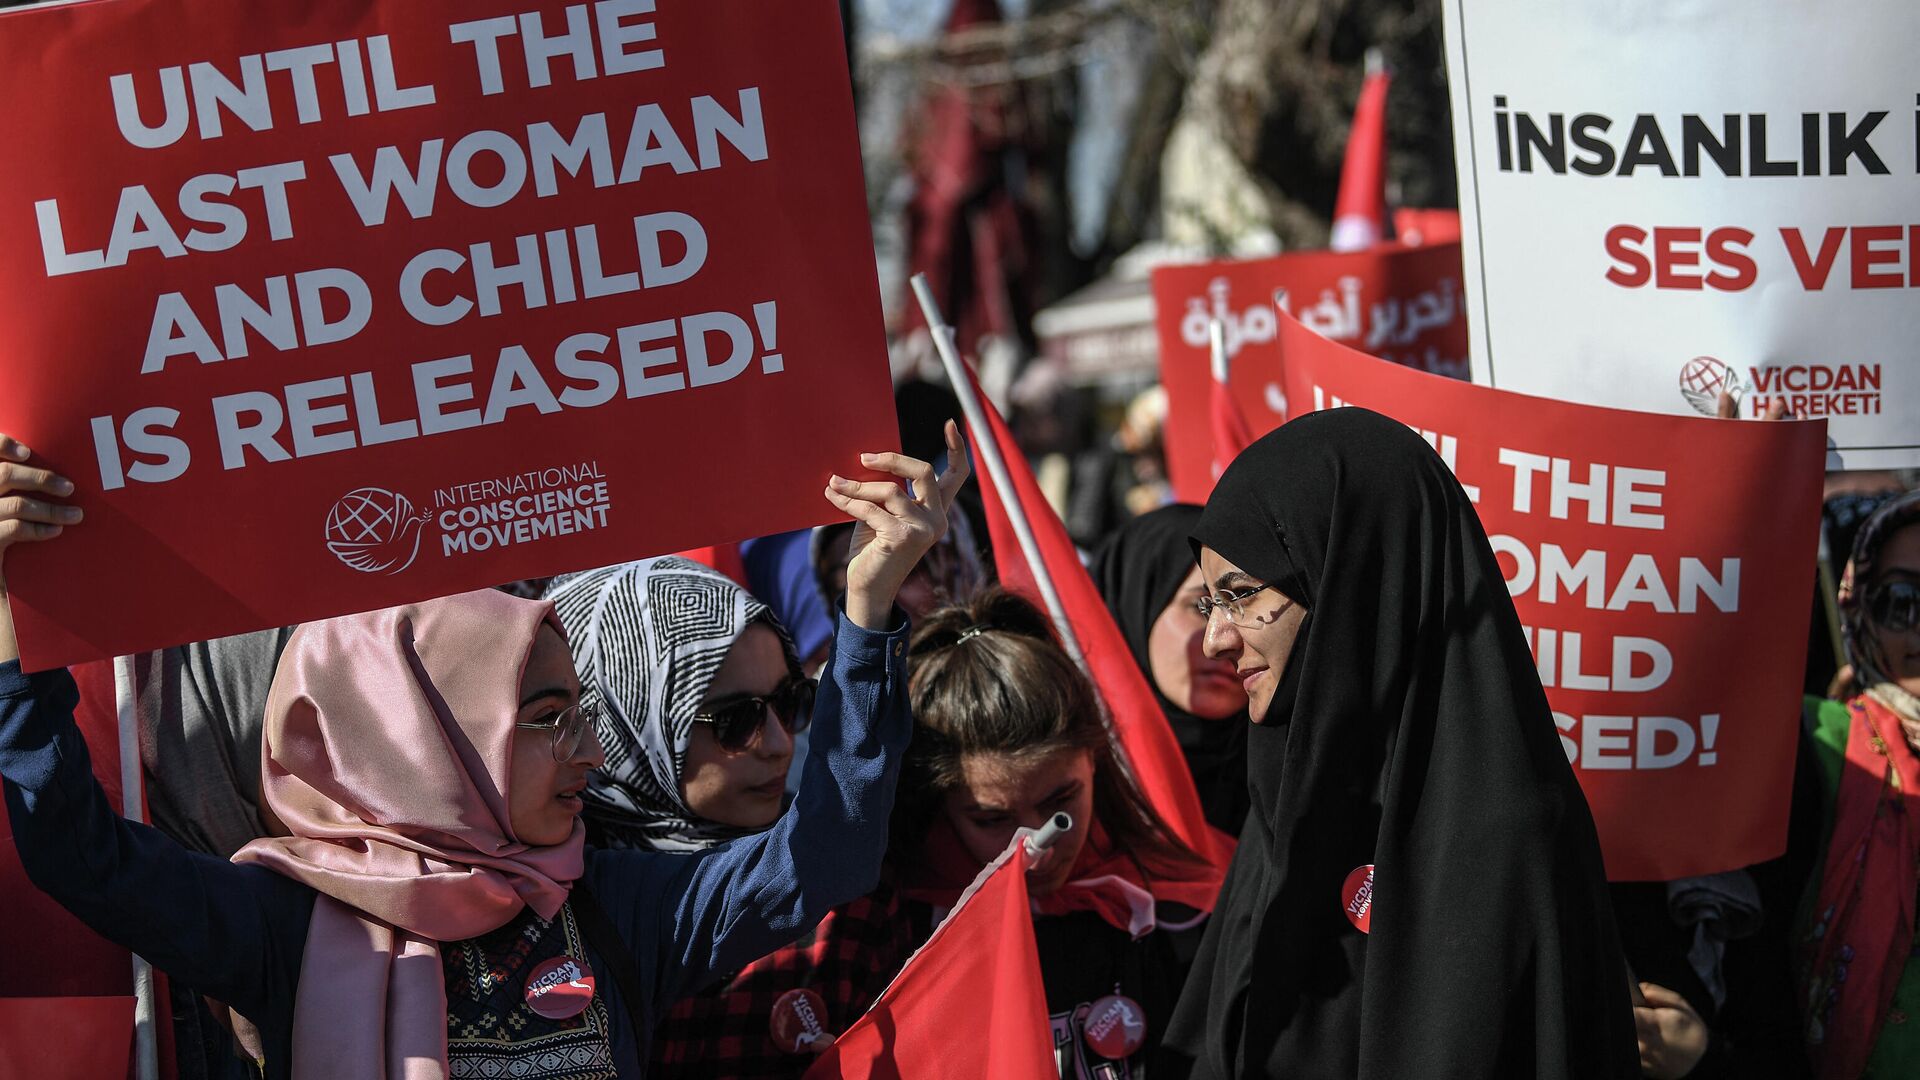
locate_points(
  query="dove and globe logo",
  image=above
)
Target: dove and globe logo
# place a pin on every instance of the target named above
(375, 531)
(1701, 380)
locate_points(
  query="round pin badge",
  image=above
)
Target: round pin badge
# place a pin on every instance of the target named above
(560, 988)
(799, 1021)
(1116, 1027)
(1356, 898)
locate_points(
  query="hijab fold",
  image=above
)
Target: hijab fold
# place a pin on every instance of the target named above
(387, 755)
(648, 639)
(1408, 732)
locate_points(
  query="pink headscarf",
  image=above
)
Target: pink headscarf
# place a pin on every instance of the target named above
(387, 752)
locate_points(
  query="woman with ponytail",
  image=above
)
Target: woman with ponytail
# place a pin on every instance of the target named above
(1008, 732)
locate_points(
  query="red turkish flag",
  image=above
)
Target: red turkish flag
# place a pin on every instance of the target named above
(969, 1004)
(1146, 742)
(1360, 212)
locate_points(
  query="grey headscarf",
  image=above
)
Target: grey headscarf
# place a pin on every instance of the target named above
(200, 707)
(648, 638)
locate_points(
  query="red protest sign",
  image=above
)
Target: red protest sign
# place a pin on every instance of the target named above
(1400, 303)
(1659, 564)
(66, 1037)
(355, 304)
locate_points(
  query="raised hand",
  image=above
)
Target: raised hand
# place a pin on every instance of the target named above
(24, 517)
(893, 528)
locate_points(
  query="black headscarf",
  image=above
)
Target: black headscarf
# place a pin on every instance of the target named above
(1408, 731)
(1139, 569)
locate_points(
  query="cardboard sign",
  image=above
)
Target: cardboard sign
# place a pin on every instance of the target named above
(1659, 565)
(1400, 303)
(358, 304)
(1663, 201)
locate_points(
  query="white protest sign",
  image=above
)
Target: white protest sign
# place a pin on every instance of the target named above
(1662, 200)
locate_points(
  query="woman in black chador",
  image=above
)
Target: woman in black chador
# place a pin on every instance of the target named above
(1418, 891)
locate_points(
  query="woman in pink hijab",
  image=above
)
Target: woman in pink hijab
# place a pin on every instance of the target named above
(431, 910)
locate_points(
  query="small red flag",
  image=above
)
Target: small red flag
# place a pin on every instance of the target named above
(969, 1004)
(1360, 212)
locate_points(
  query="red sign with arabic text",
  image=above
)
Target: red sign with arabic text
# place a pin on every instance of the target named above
(1649, 557)
(1400, 303)
(331, 306)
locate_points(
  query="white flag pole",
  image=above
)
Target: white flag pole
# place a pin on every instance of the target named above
(989, 452)
(1042, 838)
(146, 1045)
(1217, 350)
(996, 467)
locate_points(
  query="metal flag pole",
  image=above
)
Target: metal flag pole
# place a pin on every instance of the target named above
(1042, 838)
(146, 1045)
(989, 452)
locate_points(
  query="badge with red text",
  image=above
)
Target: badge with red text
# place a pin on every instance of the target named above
(1116, 1027)
(1356, 898)
(560, 988)
(799, 1021)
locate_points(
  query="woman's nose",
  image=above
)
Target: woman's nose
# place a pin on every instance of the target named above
(1222, 638)
(775, 742)
(589, 753)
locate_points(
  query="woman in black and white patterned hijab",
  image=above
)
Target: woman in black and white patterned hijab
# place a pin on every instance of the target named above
(698, 695)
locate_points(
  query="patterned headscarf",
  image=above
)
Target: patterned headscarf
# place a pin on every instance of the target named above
(1869, 667)
(648, 638)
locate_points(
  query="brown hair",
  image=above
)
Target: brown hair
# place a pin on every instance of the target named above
(988, 677)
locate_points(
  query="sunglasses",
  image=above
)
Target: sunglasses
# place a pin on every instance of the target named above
(737, 723)
(568, 727)
(1895, 606)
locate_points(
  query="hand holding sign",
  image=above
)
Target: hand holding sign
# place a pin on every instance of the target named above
(581, 252)
(894, 529)
(1727, 407)
(25, 518)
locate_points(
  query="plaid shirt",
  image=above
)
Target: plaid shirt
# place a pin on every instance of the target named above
(725, 1030)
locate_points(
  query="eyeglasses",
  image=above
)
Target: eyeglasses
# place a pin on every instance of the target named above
(1233, 603)
(737, 724)
(568, 726)
(1895, 606)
